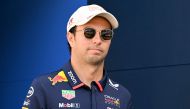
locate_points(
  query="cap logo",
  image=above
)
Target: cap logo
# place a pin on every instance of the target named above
(94, 8)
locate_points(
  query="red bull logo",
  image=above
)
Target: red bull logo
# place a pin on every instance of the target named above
(60, 77)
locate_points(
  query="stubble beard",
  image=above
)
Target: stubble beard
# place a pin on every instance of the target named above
(95, 60)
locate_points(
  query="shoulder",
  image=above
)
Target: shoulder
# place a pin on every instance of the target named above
(44, 77)
(47, 79)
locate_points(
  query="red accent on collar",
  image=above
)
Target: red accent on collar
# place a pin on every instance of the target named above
(99, 86)
(77, 86)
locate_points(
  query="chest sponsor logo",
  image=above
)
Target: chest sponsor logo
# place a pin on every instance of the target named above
(60, 77)
(115, 86)
(68, 94)
(30, 92)
(69, 105)
(72, 77)
(112, 101)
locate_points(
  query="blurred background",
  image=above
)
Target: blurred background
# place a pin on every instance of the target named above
(149, 55)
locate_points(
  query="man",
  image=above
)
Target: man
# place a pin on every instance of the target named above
(83, 82)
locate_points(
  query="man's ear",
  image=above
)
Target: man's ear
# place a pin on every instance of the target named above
(70, 38)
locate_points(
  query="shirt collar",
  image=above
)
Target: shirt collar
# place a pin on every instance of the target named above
(75, 82)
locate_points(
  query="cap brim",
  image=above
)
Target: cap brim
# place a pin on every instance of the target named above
(113, 21)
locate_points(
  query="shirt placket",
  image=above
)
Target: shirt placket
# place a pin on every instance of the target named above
(93, 97)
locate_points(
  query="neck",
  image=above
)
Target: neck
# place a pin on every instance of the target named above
(88, 72)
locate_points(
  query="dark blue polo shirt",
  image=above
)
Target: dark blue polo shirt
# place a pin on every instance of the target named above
(64, 90)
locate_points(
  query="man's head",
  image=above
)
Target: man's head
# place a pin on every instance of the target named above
(89, 33)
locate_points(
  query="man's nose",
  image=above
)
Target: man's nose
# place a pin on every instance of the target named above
(97, 39)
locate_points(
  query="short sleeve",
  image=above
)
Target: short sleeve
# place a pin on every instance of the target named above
(130, 104)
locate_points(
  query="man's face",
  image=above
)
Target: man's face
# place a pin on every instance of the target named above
(94, 50)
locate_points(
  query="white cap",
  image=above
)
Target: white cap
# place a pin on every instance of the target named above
(85, 13)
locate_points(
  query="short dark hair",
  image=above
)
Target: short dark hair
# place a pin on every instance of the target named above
(72, 30)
